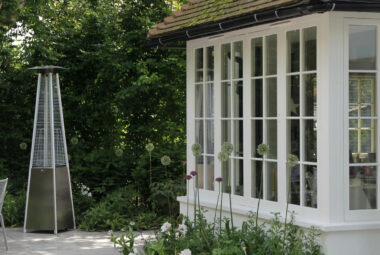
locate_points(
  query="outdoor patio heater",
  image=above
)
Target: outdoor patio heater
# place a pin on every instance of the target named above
(49, 202)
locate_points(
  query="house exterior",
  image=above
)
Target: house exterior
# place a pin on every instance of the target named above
(301, 77)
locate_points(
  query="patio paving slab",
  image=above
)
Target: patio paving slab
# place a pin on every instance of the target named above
(74, 242)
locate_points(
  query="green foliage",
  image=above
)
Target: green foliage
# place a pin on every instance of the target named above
(13, 208)
(124, 241)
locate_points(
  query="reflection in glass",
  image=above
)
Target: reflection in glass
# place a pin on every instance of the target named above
(272, 138)
(199, 132)
(310, 140)
(362, 94)
(293, 50)
(257, 179)
(294, 185)
(271, 87)
(209, 137)
(293, 95)
(239, 177)
(210, 63)
(238, 99)
(271, 54)
(257, 57)
(363, 187)
(209, 104)
(226, 131)
(294, 137)
(226, 173)
(257, 136)
(210, 173)
(226, 100)
(362, 47)
(311, 186)
(226, 61)
(200, 175)
(199, 65)
(310, 48)
(310, 95)
(362, 137)
(198, 101)
(271, 181)
(238, 59)
(257, 98)
(238, 138)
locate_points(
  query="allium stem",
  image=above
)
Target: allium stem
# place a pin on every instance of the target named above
(187, 205)
(216, 210)
(220, 213)
(150, 168)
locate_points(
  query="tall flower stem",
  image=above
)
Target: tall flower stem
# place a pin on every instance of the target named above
(195, 201)
(220, 213)
(150, 168)
(187, 204)
(229, 192)
(258, 202)
(216, 209)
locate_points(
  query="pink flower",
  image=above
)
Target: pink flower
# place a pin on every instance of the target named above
(219, 179)
(183, 162)
(188, 177)
(193, 173)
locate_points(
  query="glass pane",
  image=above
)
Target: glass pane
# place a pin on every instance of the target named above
(271, 54)
(293, 50)
(293, 95)
(362, 140)
(271, 97)
(310, 48)
(239, 177)
(226, 172)
(271, 181)
(257, 98)
(272, 138)
(226, 100)
(210, 63)
(294, 185)
(310, 148)
(257, 136)
(311, 186)
(209, 137)
(209, 100)
(238, 138)
(198, 100)
(199, 132)
(310, 96)
(257, 179)
(226, 61)
(294, 137)
(210, 173)
(238, 99)
(200, 171)
(199, 65)
(362, 94)
(226, 131)
(362, 47)
(363, 187)
(238, 60)
(257, 57)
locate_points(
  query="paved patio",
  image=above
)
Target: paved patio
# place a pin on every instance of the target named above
(66, 243)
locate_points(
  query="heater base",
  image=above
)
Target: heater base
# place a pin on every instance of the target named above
(40, 211)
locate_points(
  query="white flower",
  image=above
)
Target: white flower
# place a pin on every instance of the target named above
(185, 252)
(132, 223)
(182, 229)
(165, 227)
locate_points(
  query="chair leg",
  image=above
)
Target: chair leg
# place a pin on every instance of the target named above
(4, 233)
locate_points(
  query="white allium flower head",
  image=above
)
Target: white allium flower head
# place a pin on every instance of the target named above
(223, 156)
(165, 227)
(227, 147)
(132, 223)
(196, 149)
(149, 147)
(165, 160)
(185, 252)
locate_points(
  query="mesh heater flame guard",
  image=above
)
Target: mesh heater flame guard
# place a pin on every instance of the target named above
(49, 202)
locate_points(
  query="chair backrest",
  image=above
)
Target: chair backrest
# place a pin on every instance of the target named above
(3, 188)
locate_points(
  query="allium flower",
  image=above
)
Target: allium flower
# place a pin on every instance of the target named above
(149, 147)
(23, 146)
(165, 227)
(74, 140)
(188, 177)
(223, 156)
(197, 149)
(227, 147)
(132, 223)
(262, 149)
(219, 179)
(182, 229)
(165, 160)
(185, 252)
(119, 152)
(292, 160)
(193, 173)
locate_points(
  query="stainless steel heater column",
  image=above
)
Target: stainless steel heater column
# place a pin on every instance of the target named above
(49, 202)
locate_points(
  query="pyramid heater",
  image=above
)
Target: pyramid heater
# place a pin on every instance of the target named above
(49, 202)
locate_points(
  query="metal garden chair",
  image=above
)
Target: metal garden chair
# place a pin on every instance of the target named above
(3, 188)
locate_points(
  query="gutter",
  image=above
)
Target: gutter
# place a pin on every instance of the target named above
(303, 8)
